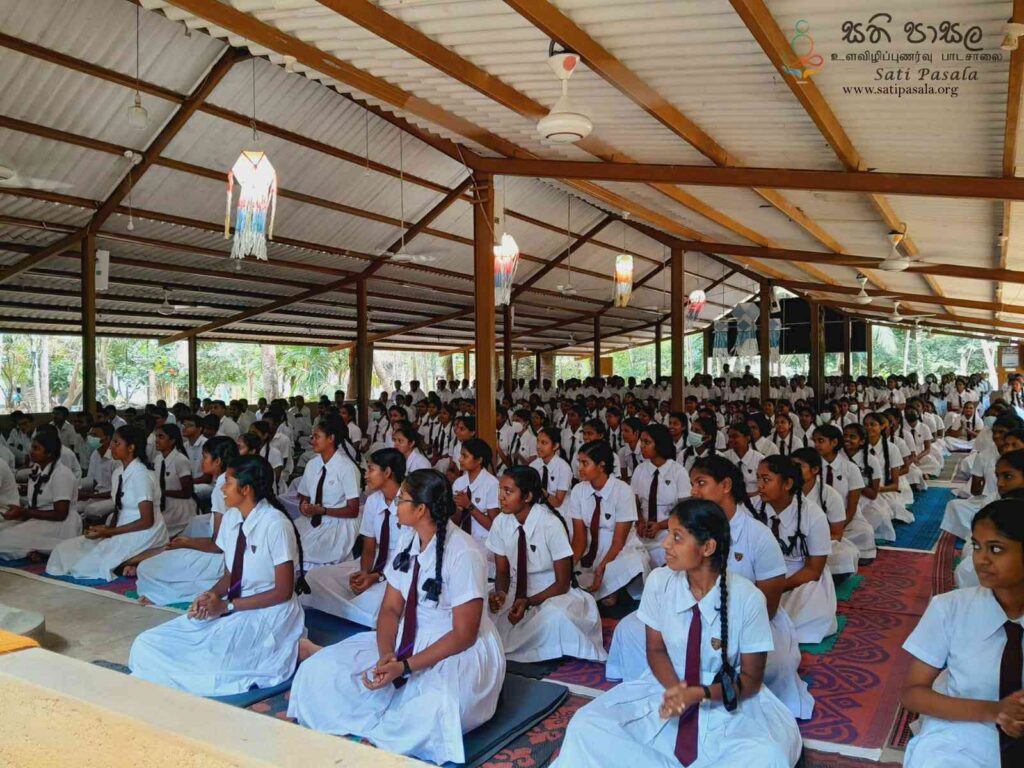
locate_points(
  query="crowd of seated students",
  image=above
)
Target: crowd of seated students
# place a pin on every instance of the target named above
(729, 520)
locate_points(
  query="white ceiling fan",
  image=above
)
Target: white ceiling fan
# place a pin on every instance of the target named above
(10, 177)
(167, 309)
(566, 123)
(864, 298)
(896, 317)
(402, 256)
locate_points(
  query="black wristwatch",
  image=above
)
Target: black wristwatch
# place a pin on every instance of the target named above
(406, 669)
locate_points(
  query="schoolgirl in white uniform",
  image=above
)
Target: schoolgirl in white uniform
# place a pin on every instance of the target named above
(174, 477)
(845, 555)
(803, 535)
(871, 505)
(910, 474)
(839, 472)
(629, 455)
(928, 460)
(523, 446)
(876, 426)
(434, 668)
(702, 441)
(604, 540)
(706, 708)
(743, 456)
(193, 562)
(244, 632)
(476, 491)
(760, 437)
(959, 513)
(328, 499)
(408, 441)
(538, 610)
(962, 427)
(974, 718)
(554, 471)
(1010, 484)
(444, 440)
(50, 516)
(756, 556)
(659, 484)
(137, 525)
(354, 589)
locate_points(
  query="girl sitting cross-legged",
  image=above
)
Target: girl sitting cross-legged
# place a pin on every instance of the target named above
(244, 632)
(434, 668)
(540, 612)
(701, 702)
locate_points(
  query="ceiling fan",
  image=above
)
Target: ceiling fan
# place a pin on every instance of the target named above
(402, 256)
(864, 298)
(167, 309)
(896, 317)
(10, 177)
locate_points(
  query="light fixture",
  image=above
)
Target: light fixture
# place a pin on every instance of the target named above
(623, 271)
(506, 251)
(895, 261)
(695, 303)
(257, 197)
(1011, 35)
(138, 116)
(566, 123)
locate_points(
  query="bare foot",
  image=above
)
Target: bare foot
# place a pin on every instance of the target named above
(307, 648)
(143, 600)
(129, 571)
(609, 601)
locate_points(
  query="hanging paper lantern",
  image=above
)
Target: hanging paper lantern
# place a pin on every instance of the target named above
(623, 279)
(696, 304)
(257, 197)
(506, 259)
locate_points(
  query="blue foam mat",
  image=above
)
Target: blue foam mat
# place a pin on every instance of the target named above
(242, 700)
(923, 533)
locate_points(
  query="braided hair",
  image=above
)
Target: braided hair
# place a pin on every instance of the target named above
(812, 459)
(706, 521)
(884, 440)
(786, 468)
(527, 480)
(174, 433)
(720, 468)
(862, 435)
(255, 472)
(135, 438)
(431, 489)
(333, 426)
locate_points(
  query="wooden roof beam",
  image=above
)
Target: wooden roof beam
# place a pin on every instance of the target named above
(1014, 89)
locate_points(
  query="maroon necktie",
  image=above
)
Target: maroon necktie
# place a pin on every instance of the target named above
(521, 569)
(118, 498)
(828, 476)
(544, 479)
(235, 588)
(687, 736)
(1011, 669)
(652, 497)
(408, 641)
(383, 543)
(595, 534)
(467, 515)
(163, 484)
(319, 498)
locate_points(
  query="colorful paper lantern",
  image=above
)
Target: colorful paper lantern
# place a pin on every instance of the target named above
(695, 304)
(506, 259)
(623, 279)
(257, 204)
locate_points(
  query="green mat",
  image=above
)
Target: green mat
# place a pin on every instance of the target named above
(845, 590)
(827, 644)
(131, 594)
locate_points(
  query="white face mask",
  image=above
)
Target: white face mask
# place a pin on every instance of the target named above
(825, 418)
(518, 427)
(853, 407)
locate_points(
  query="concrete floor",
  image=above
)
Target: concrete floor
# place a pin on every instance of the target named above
(81, 623)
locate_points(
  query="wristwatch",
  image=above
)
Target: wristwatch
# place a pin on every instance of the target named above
(231, 608)
(406, 669)
(707, 693)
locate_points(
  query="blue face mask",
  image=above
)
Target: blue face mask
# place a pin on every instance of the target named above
(694, 440)
(93, 442)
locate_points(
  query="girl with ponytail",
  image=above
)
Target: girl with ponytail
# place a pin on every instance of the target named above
(755, 556)
(193, 562)
(354, 589)
(137, 525)
(539, 610)
(434, 668)
(244, 632)
(802, 532)
(844, 557)
(876, 425)
(871, 505)
(174, 477)
(50, 515)
(709, 697)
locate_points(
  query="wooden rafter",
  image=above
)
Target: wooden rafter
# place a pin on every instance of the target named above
(1014, 89)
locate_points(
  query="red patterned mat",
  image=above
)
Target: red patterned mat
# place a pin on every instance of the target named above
(856, 686)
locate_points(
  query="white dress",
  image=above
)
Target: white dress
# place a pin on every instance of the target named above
(812, 605)
(178, 513)
(894, 499)
(19, 537)
(748, 466)
(483, 494)
(180, 575)
(962, 633)
(673, 486)
(618, 505)
(559, 474)
(331, 541)
(426, 717)
(242, 651)
(329, 586)
(959, 513)
(564, 625)
(754, 554)
(845, 555)
(877, 511)
(9, 496)
(85, 558)
(624, 727)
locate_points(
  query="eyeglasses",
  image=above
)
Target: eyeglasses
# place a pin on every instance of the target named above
(403, 500)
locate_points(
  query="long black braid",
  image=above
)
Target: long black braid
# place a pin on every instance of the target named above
(884, 440)
(432, 489)
(862, 462)
(705, 520)
(256, 473)
(812, 459)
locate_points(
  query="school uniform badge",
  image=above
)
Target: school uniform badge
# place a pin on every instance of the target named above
(738, 556)
(533, 547)
(252, 548)
(716, 643)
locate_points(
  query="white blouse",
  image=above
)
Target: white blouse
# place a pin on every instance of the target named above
(269, 539)
(547, 541)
